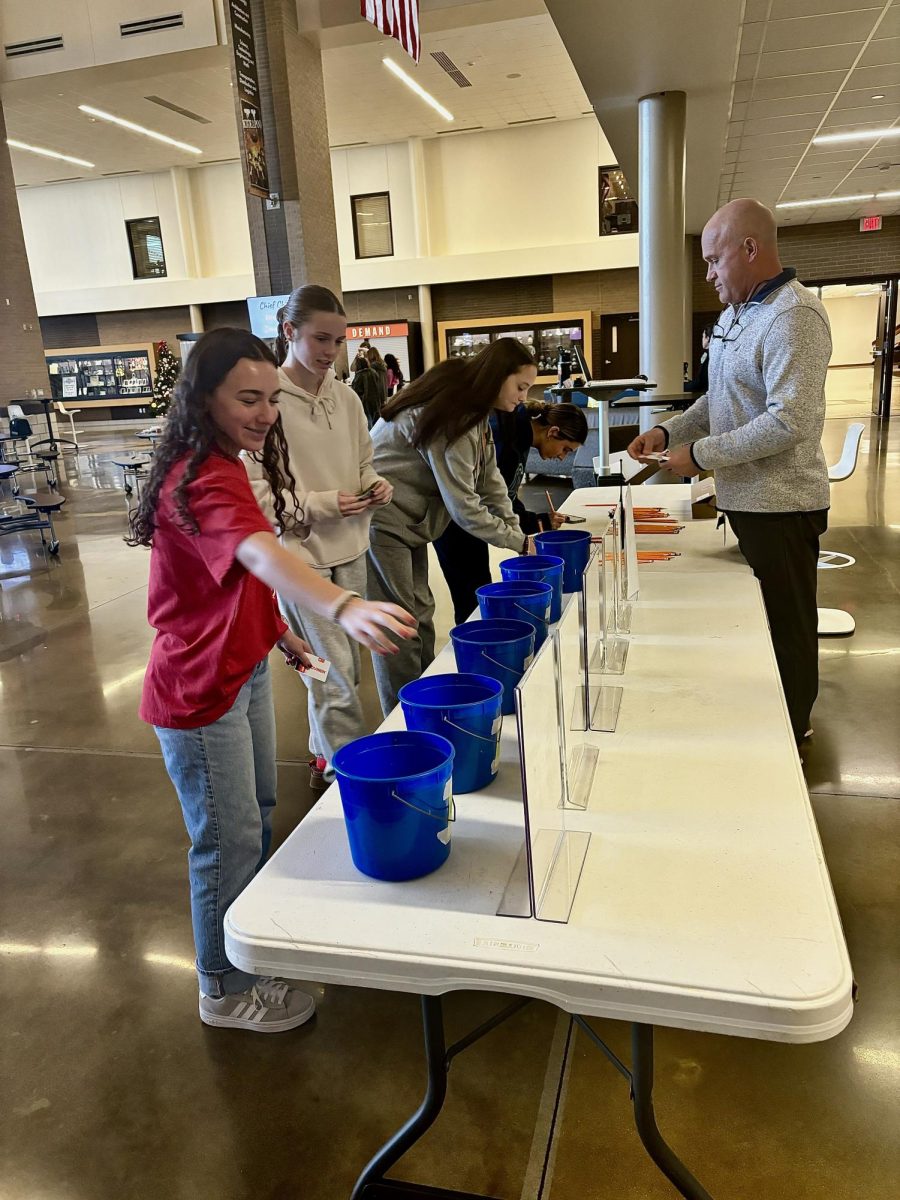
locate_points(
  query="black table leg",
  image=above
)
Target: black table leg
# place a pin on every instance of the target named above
(645, 1118)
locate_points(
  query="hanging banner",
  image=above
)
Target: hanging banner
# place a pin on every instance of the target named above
(254, 146)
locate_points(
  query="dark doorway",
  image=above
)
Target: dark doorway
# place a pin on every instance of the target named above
(620, 349)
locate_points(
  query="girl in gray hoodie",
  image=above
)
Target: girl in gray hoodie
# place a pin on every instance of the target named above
(433, 444)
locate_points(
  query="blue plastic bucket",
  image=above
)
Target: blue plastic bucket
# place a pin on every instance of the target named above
(573, 546)
(466, 710)
(396, 792)
(542, 568)
(502, 650)
(514, 601)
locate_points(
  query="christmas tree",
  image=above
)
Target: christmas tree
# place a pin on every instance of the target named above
(166, 374)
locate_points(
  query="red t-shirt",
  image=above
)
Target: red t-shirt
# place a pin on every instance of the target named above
(214, 621)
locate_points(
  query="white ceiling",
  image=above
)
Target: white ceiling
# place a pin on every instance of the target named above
(810, 67)
(762, 78)
(43, 111)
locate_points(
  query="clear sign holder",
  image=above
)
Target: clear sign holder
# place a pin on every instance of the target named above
(546, 875)
(580, 757)
(610, 651)
(597, 704)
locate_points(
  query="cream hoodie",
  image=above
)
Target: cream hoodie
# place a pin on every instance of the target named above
(330, 451)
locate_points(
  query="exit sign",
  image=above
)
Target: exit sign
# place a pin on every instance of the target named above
(869, 224)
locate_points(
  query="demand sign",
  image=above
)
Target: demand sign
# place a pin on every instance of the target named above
(254, 147)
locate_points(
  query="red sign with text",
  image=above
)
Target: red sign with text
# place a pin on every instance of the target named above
(394, 329)
(869, 224)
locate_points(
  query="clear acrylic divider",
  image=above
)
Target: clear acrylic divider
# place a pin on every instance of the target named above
(599, 702)
(555, 856)
(611, 651)
(632, 582)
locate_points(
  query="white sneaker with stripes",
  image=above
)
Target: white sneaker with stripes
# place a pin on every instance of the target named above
(270, 1006)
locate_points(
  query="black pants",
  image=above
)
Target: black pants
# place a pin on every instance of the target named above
(466, 566)
(783, 551)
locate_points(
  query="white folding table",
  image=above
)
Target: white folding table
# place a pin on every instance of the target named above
(705, 901)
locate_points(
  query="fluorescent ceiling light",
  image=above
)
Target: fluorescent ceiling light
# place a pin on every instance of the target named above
(886, 195)
(417, 88)
(150, 133)
(861, 135)
(79, 162)
(827, 200)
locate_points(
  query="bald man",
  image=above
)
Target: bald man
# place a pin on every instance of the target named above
(759, 427)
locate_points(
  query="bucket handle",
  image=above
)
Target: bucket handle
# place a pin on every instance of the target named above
(533, 615)
(497, 663)
(471, 733)
(451, 816)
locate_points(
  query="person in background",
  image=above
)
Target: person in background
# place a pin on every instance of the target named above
(554, 430)
(376, 362)
(330, 455)
(434, 444)
(759, 427)
(701, 382)
(213, 566)
(365, 384)
(395, 380)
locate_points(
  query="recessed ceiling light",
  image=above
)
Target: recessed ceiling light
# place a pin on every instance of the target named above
(827, 200)
(417, 88)
(514, 75)
(860, 135)
(150, 133)
(79, 162)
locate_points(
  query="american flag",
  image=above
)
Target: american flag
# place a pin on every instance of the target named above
(397, 18)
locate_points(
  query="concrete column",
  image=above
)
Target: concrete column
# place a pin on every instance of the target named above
(21, 348)
(196, 312)
(427, 319)
(296, 242)
(419, 180)
(184, 208)
(661, 123)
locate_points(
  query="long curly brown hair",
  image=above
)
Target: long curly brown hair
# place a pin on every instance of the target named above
(190, 430)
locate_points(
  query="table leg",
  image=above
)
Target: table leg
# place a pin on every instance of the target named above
(645, 1118)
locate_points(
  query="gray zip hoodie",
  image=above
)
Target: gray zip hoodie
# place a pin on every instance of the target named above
(759, 427)
(458, 481)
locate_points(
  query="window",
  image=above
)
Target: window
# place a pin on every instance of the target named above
(148, 260)
(372, 236)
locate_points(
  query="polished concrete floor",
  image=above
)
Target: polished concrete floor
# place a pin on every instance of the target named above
(111, 1086)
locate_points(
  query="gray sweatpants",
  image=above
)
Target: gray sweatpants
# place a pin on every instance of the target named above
(399, 574)
(335, 712)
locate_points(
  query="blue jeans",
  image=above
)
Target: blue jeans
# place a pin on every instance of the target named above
(225, 777)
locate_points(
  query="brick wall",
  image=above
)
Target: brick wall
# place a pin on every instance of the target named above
(22, 365)
(76, 329)
(227, 312)
(830, 251)
(144, 325)
(492, 298)
(382, 304)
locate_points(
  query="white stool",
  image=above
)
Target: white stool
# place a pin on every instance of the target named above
(834, 622)
(71, 413)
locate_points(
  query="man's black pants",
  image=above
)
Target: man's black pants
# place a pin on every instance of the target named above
(466, 566)
(783, 551)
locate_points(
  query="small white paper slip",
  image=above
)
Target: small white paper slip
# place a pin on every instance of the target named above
(656, 456)
(318, 669)
(702, 489)
(498, 721)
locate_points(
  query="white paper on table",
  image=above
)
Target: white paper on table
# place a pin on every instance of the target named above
(702, 489)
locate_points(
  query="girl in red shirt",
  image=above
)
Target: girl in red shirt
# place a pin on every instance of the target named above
(214, 567)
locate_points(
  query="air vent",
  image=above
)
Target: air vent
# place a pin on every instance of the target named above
(38, 46)
(446, 63)
(347, 145)
(176, 108)
(467, 129)
(217, 162)
(531, 120)
(152, 25)
(65, 179)
(114, 174)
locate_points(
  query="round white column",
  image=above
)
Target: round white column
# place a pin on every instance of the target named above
(661, 125)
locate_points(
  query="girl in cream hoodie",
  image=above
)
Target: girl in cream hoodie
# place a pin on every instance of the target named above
(330, 456)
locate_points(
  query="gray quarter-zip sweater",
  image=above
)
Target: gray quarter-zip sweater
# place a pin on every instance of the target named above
(458, 481)
(759, 426)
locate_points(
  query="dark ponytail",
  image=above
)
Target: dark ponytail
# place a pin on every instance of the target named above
(568, 418)
(302, 303)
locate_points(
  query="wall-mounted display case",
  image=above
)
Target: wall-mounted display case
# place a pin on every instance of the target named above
(545, 334)
(98, 373)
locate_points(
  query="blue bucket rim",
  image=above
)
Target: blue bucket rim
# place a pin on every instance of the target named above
(433, 739)
(563, 535)
(449, 676)
(534, 589)
(537, 562)
(476, 626)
